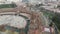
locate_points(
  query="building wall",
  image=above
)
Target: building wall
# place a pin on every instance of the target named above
(34, 1)
(9, 1)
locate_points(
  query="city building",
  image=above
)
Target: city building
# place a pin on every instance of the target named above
(9, 1)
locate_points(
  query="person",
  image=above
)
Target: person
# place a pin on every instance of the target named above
(51, 28)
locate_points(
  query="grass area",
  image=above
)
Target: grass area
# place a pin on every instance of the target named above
(7, 6)
(47, 13)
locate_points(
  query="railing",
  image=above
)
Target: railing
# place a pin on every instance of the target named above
(56, 29)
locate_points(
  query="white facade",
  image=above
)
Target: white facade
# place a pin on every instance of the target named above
(4, 2)
(9, 1)
(14, 0)
(36, 1)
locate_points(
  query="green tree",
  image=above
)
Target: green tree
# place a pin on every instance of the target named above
(56, 20)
